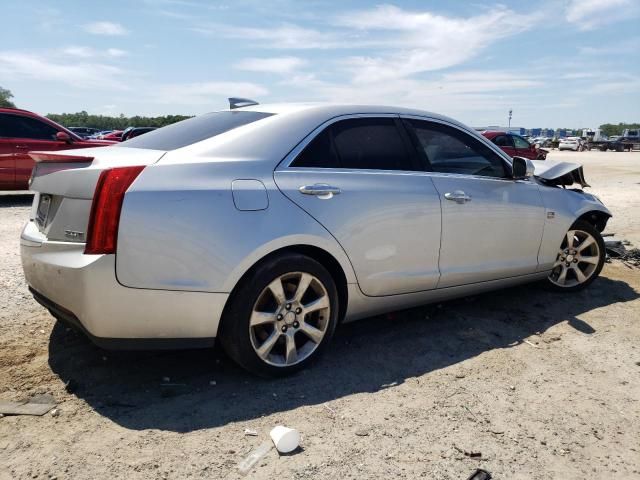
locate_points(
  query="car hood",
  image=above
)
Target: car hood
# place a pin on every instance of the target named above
(559, 173)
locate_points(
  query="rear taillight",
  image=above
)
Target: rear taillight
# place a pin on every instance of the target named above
(102, 234)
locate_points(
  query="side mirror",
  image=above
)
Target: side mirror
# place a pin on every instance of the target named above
(522, 168)
(63, 137)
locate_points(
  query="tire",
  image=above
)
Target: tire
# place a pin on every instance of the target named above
(569, 258)
(256, 321)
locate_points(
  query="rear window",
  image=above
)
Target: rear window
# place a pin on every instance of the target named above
(194, 130)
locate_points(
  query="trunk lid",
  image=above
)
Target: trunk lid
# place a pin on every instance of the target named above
(65, 181)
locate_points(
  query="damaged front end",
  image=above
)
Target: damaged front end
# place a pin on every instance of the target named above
(561, 174)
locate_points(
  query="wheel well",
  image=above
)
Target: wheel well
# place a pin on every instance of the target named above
(596, 218)
(321, 256)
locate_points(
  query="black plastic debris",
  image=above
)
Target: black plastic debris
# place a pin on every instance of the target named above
(616, 249)
(480, 474)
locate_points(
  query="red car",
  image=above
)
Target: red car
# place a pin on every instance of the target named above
(115, 136)
(516, 146)
(21, 132)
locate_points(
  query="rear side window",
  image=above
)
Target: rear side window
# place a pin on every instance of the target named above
(358, 143)
(194, 130)
(449, 150)
(17, 126)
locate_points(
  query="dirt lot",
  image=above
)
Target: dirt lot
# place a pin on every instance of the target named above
(541, 385)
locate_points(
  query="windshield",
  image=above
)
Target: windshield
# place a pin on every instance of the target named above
(193, 130)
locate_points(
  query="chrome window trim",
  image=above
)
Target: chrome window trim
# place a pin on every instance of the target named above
(285, 164)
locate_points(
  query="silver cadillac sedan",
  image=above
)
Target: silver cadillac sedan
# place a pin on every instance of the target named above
(265, 226)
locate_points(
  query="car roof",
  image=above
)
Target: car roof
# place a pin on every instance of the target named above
(273, 137)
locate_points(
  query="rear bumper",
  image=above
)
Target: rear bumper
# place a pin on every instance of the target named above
(83, 290)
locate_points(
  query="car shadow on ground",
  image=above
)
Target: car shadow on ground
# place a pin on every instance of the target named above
(24, 199)
(365, 356)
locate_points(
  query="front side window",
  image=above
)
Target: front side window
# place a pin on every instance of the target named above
(17, 126)
(503, 141)
(520, 142)
(449, 150)
(358, 143)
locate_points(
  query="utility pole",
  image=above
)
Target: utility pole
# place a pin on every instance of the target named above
(510, 114)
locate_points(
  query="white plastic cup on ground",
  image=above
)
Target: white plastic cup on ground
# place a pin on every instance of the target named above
(285, 439)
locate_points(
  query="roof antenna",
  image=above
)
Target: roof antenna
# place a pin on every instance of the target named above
(240, 102)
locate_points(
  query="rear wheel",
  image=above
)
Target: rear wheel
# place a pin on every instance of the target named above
(281, 318)
(580, 258)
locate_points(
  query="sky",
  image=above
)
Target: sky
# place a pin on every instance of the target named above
(555, 63)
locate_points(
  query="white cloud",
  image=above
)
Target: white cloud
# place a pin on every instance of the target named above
(423, 41)
(203, 93)
(116, 52)
(287, 36)
(80, 74)
(105, 28)
(279, 65)
(590, 14)
(88, 52)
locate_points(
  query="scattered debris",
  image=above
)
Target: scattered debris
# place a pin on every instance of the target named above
(55, 412)
(285, 439)
(480, 474)
(250, 432)
(387, 385)
(460, 375)
(512, 387)
(254, 457)
(468, 453)
(362, 432)
(330, 410)
(617, 249)
(531, 343)
(37, 405)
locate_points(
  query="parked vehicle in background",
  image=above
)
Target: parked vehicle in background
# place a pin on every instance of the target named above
(515, 145)
(21, 132)
(84, 132)
(100, 133)
(266, 226)
(571, 143)
(541, 142)
(114, 136)
(133, 132)
(630, 139)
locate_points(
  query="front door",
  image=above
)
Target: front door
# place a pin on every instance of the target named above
(20, 135)
(491, 225)
(360, 178)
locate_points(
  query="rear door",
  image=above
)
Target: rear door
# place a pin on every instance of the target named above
(491, 225)
(360, 178)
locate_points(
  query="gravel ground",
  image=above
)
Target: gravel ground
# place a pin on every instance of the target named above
(525, 383)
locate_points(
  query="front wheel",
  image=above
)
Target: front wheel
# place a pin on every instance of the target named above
(580, 258)
(282, 316)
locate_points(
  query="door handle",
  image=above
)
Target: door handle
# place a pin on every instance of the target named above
(458, 196)
(321, 190)
(22, 147)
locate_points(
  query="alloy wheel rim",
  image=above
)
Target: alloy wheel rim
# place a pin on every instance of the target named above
(289, 319)
(577, 259)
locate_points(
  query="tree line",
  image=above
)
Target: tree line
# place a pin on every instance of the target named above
(610, 129)
(105, 122)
